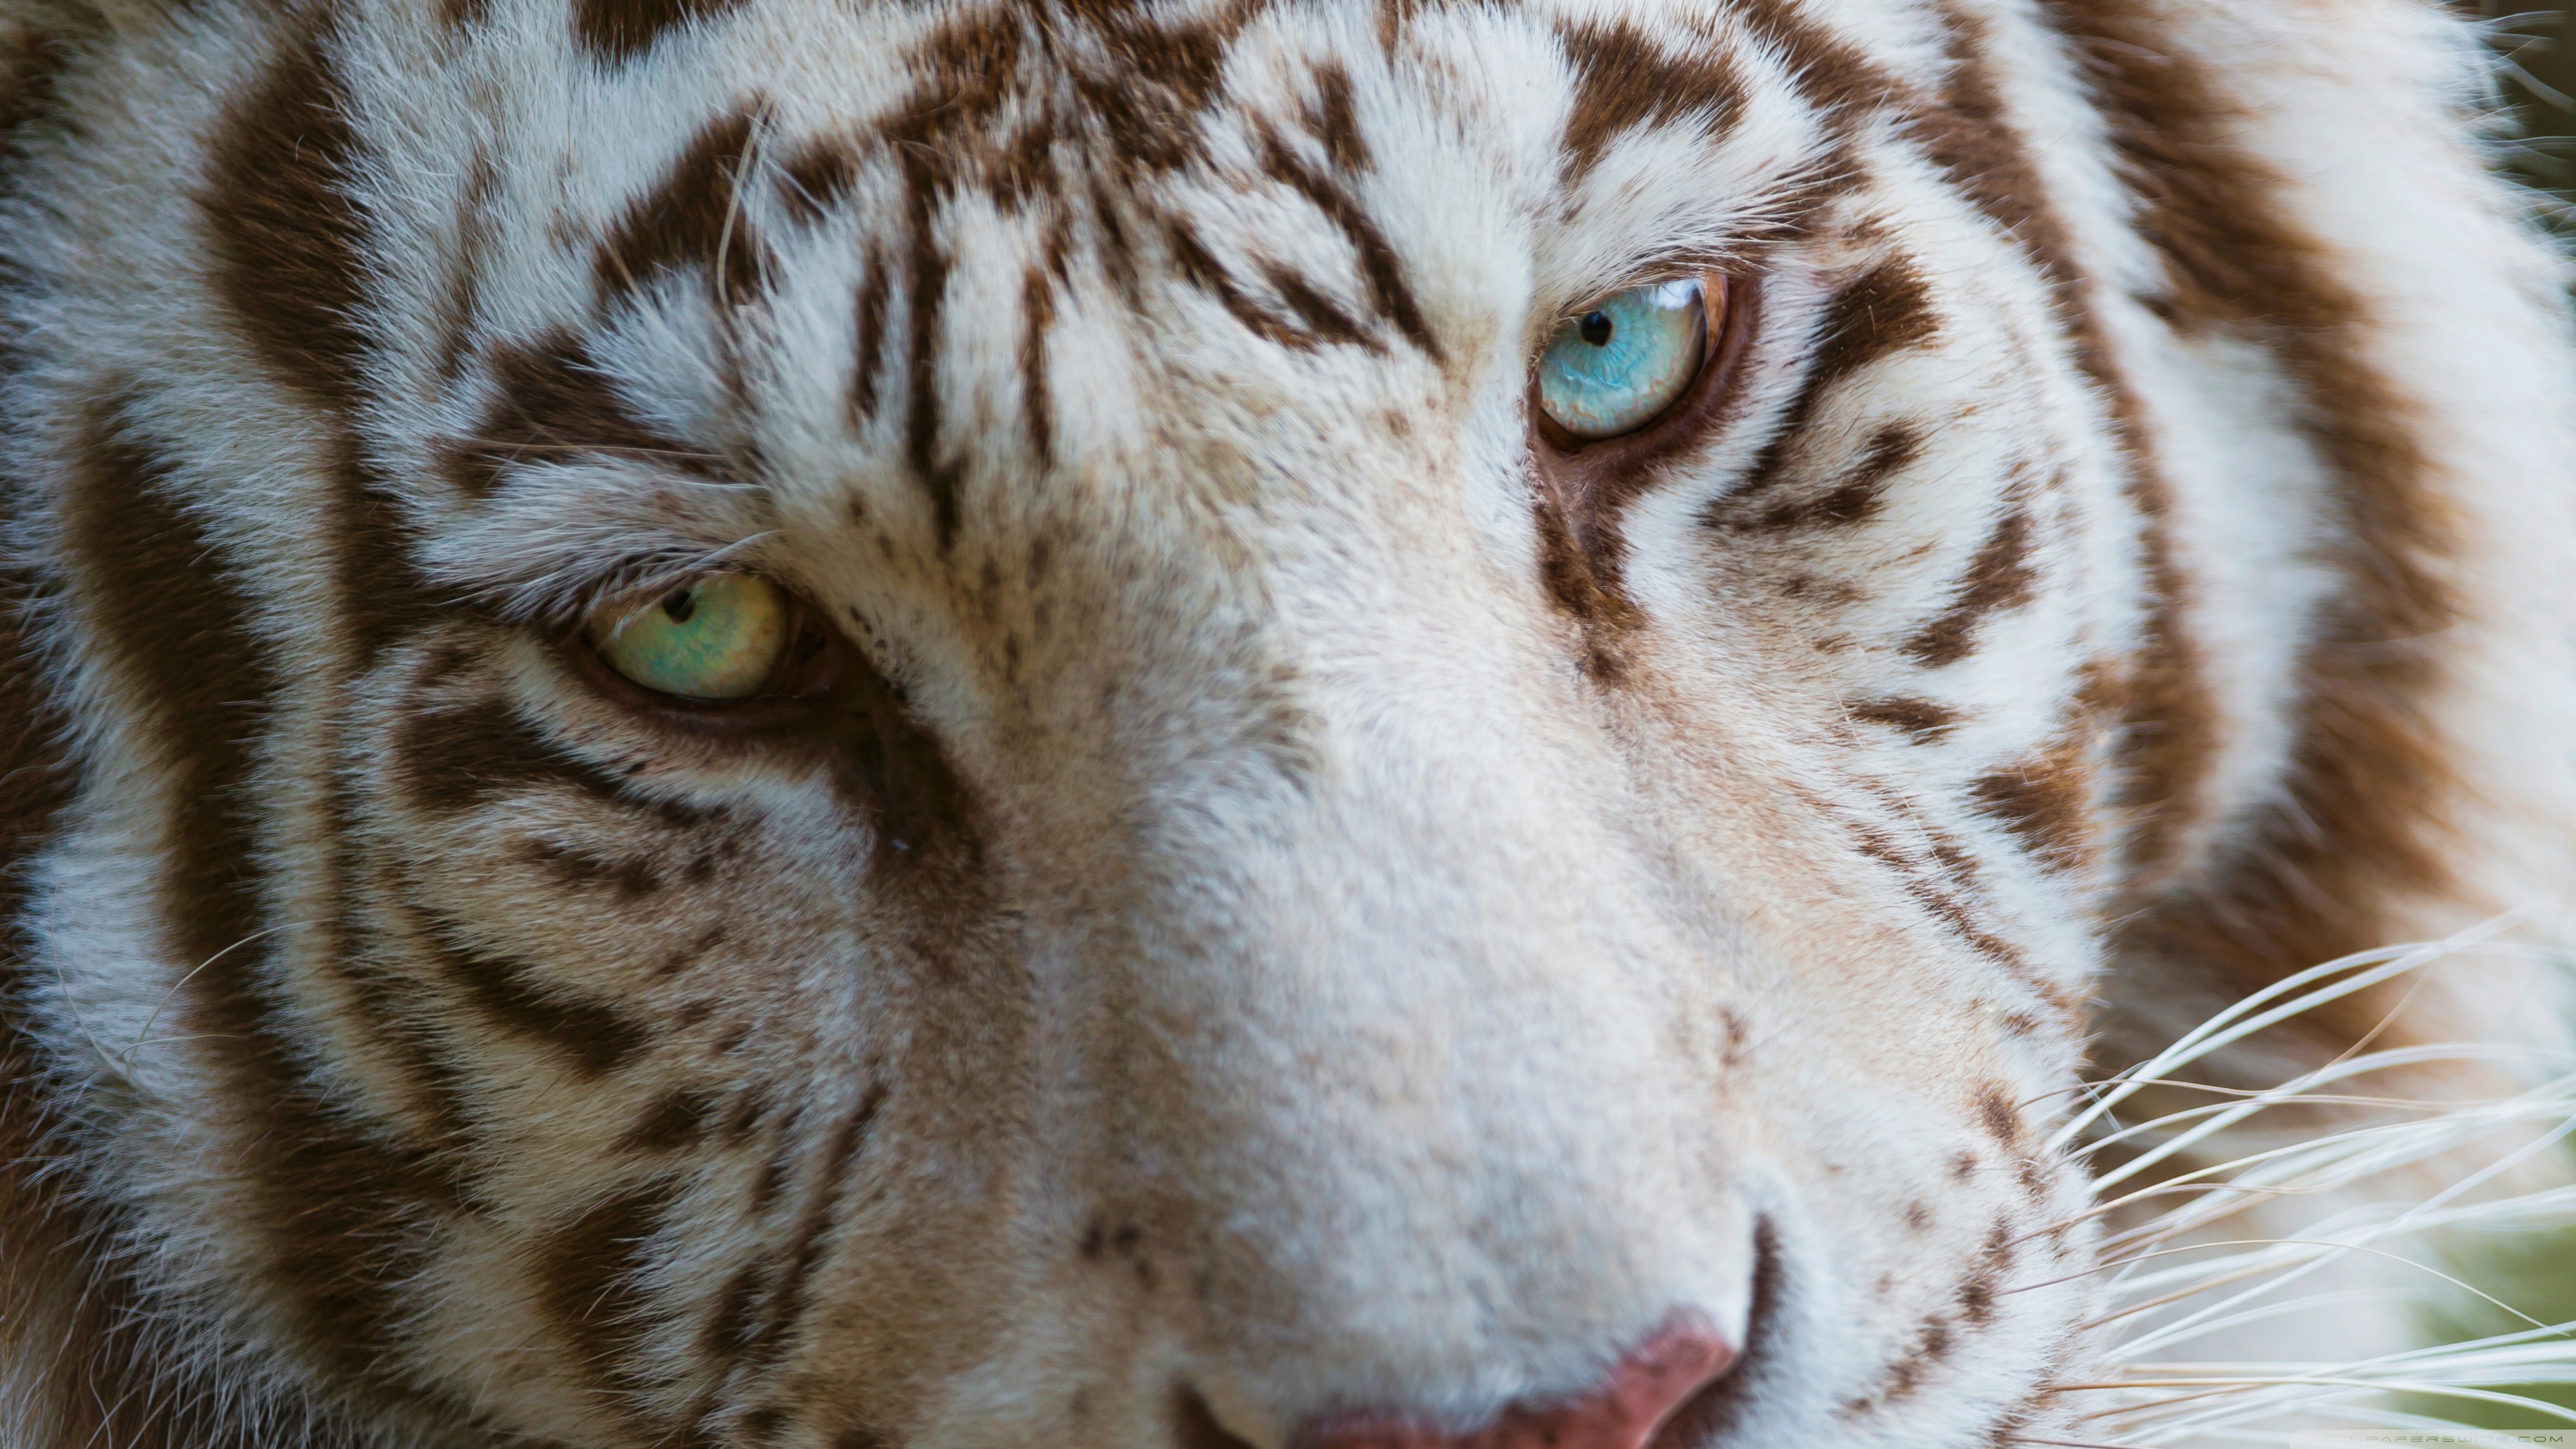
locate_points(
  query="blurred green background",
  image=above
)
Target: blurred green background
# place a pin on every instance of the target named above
(2539, 51)
(2537, 1273)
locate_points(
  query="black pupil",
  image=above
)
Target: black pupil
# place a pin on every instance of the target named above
(680, 606)
(1595, 328)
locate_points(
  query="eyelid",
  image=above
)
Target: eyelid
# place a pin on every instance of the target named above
(1695, 277)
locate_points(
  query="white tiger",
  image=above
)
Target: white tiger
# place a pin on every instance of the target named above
(1232, 724)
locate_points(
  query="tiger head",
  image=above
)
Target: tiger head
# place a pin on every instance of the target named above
(1261, 725)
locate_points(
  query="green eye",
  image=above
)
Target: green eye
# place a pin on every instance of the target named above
(1617, 367)
(719, 638)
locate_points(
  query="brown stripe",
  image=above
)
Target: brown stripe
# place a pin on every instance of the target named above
(1855, 496)
(692, 217)
(870, 361)
(617, 31)
(1148, 103)
(1322, 317)
(334, 1211)
(1115, 249)
(2041, 800)
(1950, 887)
(572, 866)
(288, 240)
(1999, 577)
(383, 595)
(2366, 776)
(594, 1039)
(1627, 80)
(553, 403)
(455, 758)
(1037, 406)
(1884, 310)
(1379, 265)
(390, 1008)
(787, 1301)
(2169, 724)
(283, 230)
(926, 290)
(734, 1326)
(461, 300)
(676, 1119)
(1922, 720)
(1205, 272)
(591, 1287)
(33, 65)
(970, 71)
(821, 175)
(1836, 79)
(1335, 121)
(60, 1298)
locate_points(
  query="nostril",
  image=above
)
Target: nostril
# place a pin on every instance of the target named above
(1640, 1394)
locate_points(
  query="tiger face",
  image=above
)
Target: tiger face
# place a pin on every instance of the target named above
(1274, 724)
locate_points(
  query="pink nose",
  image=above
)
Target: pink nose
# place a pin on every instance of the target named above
(1624, 1413)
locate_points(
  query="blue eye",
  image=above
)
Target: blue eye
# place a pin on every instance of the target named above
(1617, 367)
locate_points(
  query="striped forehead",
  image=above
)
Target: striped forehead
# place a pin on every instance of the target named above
(731, 241)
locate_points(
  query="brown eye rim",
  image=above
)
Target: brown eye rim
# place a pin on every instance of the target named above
(1728, 338)
(817, 666)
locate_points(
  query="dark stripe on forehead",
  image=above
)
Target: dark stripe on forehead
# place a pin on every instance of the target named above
(552, 403)
(676, 1120)
(283, 230)
(820, 176)
(1202, 270)
(288, 240)
(969, 69)
(617, 31)
(1380, 267)
(1335, 121)
(333, 1212)
(382, 594)
(1037, 405)
(460, 303)
(2366, 780)
(869, 324)
(691, 218)
(1627, 80)
(926, 284)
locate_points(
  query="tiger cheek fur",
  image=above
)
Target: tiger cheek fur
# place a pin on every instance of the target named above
(1310, 896)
